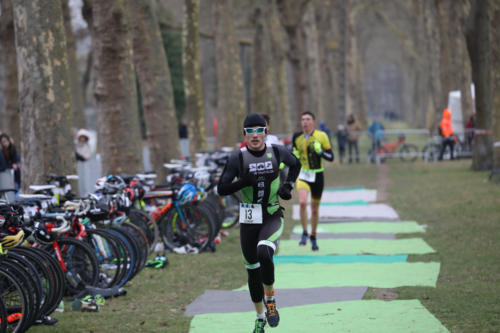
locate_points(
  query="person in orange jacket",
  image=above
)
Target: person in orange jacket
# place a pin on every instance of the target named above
(446, 131)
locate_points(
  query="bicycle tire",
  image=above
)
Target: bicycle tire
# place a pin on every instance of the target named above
(141, 241)
(108, 256)
(408, 152)
(231, 210)
(33, 280)
(201, 227)
(47, 276)
(57, 289)
(147, 224)
(3, 317)
(131, 255)
(15, 299)
(82, 268)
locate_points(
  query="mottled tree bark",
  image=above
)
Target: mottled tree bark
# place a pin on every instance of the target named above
(328, 45)
(115, 87)
(291, 16)
(44, 91)
(76, 87)
(281, 121)
(495, 62)
(230, 101)
(192, 76)
(156, 87)
(314, 85)
(263, 71)
(479, 45)
(9, 112)
(355, 100)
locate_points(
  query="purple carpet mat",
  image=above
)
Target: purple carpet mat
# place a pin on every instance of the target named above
(226, 301)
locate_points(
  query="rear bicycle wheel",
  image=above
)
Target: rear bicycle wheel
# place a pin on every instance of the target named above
(15, 299)
(82, 268)
(147, 224)
(408, 153)
(231, 210)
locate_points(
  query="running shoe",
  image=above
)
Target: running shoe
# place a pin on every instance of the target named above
(259, 326)
(272, 315)
(303, 240)
(314, 244)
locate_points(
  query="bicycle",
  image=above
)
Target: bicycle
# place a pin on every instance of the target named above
(407, 152)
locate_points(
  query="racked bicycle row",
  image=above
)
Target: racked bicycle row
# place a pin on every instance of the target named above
(54, 244)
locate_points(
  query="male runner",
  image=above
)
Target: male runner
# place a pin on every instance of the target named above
(261, 219)
(310, 146)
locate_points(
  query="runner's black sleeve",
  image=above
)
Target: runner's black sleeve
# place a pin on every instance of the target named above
(231, 170)
(291, 161)
(327, 155)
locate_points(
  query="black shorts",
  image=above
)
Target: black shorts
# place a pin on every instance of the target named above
(267, 233)
(316, 188)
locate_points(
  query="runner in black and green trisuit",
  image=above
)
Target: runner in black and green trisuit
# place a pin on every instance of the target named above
(261, 219)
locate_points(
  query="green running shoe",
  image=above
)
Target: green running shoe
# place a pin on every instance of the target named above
(259, 326)
(272, 315)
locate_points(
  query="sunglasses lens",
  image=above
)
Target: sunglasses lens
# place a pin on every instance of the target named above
(260, 130)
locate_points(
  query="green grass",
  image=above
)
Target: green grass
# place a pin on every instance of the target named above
(461, 209)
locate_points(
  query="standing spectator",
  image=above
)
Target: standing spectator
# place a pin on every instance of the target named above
(446, 131)
(469, 131)
(341, 139)
(10, 158)
(184, 137)
(353, 131)
(83, 151)
(322, 126)
(376, 133)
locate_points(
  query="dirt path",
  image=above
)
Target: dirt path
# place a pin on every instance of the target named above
(383, 183)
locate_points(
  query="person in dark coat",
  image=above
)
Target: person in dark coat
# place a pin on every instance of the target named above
(10, 158)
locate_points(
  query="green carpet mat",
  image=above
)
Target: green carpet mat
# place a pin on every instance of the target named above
(346, 203)
(380, 227)
(374, 316)
(347, 259)
(395, 275)
(332, 189)
(357, 246)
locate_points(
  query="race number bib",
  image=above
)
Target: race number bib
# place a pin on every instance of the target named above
(307, 176)
(250, 213)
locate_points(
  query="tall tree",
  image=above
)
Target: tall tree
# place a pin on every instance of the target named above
(264, 89)
(156, 87)
(327, 45)
(291, 18)
(44, 96)
(230, 102)
(279, 60)
(9, 112)
(192, 76)
(479, 45)
(77, 92)
(314, 86)
(495, 61)
(115, 87)
(354, 97)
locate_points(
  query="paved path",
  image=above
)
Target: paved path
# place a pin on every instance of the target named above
(322, 291)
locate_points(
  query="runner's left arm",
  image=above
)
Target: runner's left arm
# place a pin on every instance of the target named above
(326, 148)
